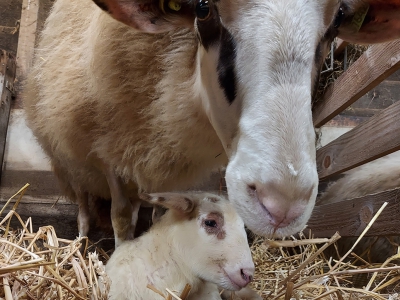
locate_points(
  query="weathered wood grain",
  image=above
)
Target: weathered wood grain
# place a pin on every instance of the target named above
(10, 14)
(368, 141)
(27, 37)
(376, 64)
(350, 217)
(7, 77)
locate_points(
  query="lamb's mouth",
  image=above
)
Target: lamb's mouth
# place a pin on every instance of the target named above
(236, 287)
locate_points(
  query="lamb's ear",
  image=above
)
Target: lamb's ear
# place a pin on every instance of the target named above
(180, 202)
(150, 15)
(370, 21)
(158, 212)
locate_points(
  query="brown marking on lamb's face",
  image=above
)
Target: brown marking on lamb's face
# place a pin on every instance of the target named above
(213, 224)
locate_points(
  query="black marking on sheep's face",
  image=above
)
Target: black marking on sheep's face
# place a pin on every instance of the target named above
(226, 65)
(212, 33)
(209, 30)
(102, 5)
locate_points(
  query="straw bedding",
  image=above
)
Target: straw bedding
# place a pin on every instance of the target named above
(41, 265)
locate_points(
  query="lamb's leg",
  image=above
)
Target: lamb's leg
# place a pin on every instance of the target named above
(208, 291)
(83, 214)
(246, 293)
(123, 214)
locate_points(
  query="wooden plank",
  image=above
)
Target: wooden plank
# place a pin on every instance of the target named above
(62, 215)
(340, 46)
(370, 140)
(376, 64)
(343, 120)
(350, 217)
(10, 15)
(43, 184)
(7, 77)
(27, 37)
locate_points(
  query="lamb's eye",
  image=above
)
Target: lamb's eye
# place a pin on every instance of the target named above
(210, 223)
(202, 10)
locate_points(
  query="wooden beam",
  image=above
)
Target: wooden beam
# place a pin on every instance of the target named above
(376, 64)
(10, 15)
(27, 37)
(7, 77)
(350, 217)
(370, 140)
(340, 46)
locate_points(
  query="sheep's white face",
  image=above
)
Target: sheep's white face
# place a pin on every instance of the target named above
(257, 67)
(259, 71)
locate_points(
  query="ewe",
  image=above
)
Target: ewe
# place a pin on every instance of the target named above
(153, 95)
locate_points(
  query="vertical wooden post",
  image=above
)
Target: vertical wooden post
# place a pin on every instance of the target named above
(7, 77)
(27, 36)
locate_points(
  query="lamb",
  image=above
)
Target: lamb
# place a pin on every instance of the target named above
(377, 176)
(200, 241)
(188, 87)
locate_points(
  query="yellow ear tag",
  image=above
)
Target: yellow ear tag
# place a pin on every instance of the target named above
(174, 5)
(359, 17)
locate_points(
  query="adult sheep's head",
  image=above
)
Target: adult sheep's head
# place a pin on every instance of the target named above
(257, 65)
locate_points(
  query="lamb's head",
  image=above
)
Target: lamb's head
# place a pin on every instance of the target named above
(208, 236)
(257, 67)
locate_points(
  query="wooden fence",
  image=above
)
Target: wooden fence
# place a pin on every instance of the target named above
(372, 139)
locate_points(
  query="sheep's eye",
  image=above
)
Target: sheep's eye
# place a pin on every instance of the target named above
(202, 10)
(339, 18)
(210, 223)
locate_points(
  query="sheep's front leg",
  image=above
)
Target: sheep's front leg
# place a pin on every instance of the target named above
(124, 214)
(83, 214)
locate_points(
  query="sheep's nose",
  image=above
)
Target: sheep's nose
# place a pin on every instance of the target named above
(281, 207)
(247, 276)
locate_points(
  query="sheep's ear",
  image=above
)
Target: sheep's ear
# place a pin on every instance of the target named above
(369, 21)
(180, 202)
(150, 15)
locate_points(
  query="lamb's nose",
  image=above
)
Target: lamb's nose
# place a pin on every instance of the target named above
(247, 276)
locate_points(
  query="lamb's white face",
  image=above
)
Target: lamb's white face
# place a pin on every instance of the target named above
(268, 54)
(214, 243)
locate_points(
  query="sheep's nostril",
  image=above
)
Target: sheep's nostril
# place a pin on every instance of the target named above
(246, 278)
(252, 189)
